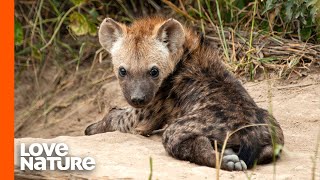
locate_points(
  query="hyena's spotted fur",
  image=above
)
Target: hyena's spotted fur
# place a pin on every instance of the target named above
(194, 96)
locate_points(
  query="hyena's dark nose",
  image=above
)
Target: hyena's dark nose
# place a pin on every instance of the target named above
(138, 100)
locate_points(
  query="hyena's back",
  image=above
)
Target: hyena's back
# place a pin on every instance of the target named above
(194, 95)
(211, 102)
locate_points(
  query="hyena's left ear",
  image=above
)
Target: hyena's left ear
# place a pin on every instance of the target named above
(109, 32)
(171, 33)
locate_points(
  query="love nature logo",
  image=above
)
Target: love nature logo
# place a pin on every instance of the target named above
(43, 156)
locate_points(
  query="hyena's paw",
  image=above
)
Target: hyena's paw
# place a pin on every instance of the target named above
(233, 163)
(117, 119)
(93, 129)
(142, 130)
(228, 151)
(105, 125)
(100, 127)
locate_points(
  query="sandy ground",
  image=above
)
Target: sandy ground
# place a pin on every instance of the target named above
(296, 105)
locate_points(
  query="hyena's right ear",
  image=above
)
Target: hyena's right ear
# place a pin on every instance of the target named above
(109, 32)
(171, 33)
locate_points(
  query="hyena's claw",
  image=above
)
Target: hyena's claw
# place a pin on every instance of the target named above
(233, 163)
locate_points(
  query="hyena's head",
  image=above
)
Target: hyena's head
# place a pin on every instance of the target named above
(143, 54)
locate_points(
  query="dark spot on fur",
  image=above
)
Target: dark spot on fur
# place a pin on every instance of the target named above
(119, 122)
(186, 55)
(149, 114)
(225, 118)
(205, 71)
(202, 101)
(161, 109)
(226, 74)
(141, 117)
(173, 95)
(215, 108)
(188, 81)
(177, 103)
(237, 125)
(231, 108)
(184, 132)
(215, 84)
(165, 140)
(182, 122)
(260, 115)
(247, 113)
(220, 115)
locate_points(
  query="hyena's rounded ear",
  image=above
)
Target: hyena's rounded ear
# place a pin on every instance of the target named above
(109, 32)
(171, 32)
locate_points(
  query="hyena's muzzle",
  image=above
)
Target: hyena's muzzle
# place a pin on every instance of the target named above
(138, 93)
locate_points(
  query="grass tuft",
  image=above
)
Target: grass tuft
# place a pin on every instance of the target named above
(60, 28)
(151, 168)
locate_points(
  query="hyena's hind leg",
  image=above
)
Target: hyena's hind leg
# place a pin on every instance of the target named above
(185, 140)
(266, 155)
(271, 135)
(118, 119)
(269, 153)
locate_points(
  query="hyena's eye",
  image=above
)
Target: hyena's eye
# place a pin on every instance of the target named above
(122, 72)
(154, 72)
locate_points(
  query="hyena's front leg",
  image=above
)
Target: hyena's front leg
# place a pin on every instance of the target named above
(186, 140)
(118, 119)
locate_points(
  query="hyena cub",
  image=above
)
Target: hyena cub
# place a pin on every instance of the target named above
(172, 78)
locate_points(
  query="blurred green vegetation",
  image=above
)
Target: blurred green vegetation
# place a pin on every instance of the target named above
(65, 32)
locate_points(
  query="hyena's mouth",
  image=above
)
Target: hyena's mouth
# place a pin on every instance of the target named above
(138, 103)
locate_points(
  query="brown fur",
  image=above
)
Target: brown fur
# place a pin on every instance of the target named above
(195, 96)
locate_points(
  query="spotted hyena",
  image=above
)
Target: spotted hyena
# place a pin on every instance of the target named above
(172, 78)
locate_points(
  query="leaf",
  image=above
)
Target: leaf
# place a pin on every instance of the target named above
(318, 36)
(92, 29)
(269, 5)
(18, 33)
(78, 24)
(78, 2)
(289, 11)
(305, 33)
(93, 13)
(297, 13)
(35, 53)
(311, 2)
(314, 12)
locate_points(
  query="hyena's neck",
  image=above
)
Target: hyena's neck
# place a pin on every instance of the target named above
(160, 111)
(165, 91)
(191, 46)
(165, 106)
